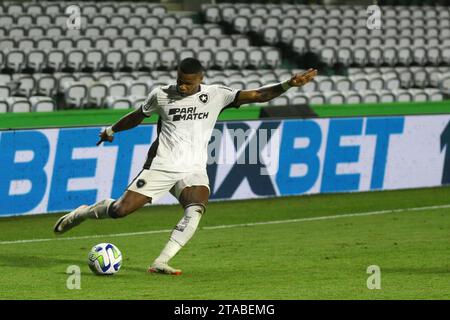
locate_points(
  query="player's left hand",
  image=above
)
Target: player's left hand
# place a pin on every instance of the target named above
(104, 137)
(300, 79)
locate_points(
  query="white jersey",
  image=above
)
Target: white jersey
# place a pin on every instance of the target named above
(185, 125)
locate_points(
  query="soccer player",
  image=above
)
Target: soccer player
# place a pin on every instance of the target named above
(176, 160)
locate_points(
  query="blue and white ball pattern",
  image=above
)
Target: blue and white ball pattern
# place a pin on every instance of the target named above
(105, 259)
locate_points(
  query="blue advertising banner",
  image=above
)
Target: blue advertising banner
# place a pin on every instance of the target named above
(54, 170)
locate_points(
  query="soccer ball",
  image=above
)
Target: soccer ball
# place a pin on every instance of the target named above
(105, 258)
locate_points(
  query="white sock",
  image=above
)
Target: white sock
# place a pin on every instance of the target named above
(182, 233)
(97, 211)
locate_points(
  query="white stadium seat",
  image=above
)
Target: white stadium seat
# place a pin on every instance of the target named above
(19, 104)
(97, 94)
(42, 104)
(76, 94)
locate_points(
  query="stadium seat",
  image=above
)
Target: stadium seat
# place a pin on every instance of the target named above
(405, 56)
(25, 43)
(342, 84)
(434, 55)
(84, 43)
(352, 97)
(138, 42)
(117, 89)
(26, 85)
(46, 85)
(103, 76)
(324, 84)
(420, 55)
(256, 23)
(299, 99)
(75, 60)
(42, 104)
(280, 101)
(316, 98)
(55, 59)
(36, 60)
(359, 83)
(241, 24)
(206, 57)
(370, 97)
(222, 58)
(5, 91)
(328, 55)
(19, 104)
(391, 82)
(335, 97)
(418, 95)
(390, 56)
(45, 43)
(124, 76)
(272, 56)
(118, 103)
(175, 42)
(406, 79)
(93, 31)
(133, 59)
(150, 59)
(76, 94)
(345, 56)
(270, 35)
(386, 96)
(93, 59)
(137, 88)
(239, 58)
(403, 95)
(376, 83)
(212, 14)
(434, 94)
(237, 84)
(168, 58)
(113, 59)
(85, 78)
(54, 31)
(360, 56)
(6, 20)
(4, 105)
(15, 60)
(103, 43)
(256, 57)
(225, 42)
(97, 94)
(43, 20)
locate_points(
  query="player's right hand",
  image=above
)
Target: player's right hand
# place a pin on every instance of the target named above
(104, 137)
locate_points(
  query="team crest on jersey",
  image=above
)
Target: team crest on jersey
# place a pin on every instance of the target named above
(140, 183)
(203, 98)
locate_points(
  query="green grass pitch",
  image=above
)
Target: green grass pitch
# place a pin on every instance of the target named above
(304, 256)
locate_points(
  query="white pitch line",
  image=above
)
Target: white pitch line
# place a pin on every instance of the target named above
(348, 215)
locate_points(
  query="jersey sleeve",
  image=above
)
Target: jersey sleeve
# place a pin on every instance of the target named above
(150, 105)
(229, 96)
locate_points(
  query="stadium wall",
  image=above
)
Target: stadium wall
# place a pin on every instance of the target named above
(54, 170)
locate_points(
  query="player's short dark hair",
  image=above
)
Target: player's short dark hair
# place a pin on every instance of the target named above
(190, 66)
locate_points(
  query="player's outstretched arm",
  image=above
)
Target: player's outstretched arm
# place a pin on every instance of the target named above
(270, 92)
(128, 121)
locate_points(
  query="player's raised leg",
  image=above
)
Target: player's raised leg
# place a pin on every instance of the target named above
(129, 202)
(194, 200)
